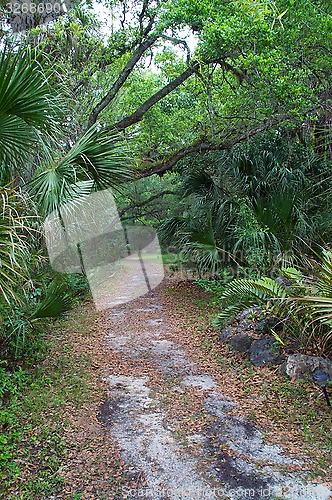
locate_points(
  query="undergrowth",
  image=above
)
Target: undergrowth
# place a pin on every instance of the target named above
(35, 388)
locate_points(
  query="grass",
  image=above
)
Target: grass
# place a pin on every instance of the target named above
(33, 419)
(167, 258)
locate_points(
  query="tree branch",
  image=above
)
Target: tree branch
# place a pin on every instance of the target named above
(143, 203)
(140, 112)
(124, 74)
(169, 163)
(179, 41)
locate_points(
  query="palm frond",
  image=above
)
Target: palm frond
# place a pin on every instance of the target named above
(98, 160)
(57, 301)
(199, 245)
(260, 290)
(229, 312)
(28, 104)
(170, 229)
(198, 182)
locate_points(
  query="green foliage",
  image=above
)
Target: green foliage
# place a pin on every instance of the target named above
(259, 61)
(77, 283)
(150, 200)
(243, 293)
(30, 117)
(98, 160)
(262, 202)
(56, 301)
(14, 244)
(303, 305)
(29, 106)
(33, 417)
(196, 242)
(11, 385)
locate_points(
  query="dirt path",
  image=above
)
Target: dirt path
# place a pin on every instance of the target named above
(174, 424)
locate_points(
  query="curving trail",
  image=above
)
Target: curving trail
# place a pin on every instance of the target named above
(173, 422)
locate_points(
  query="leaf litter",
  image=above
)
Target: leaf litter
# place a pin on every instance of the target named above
(176, 415)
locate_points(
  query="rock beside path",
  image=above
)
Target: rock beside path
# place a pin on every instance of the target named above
(227, 455)
(301, 366)
(265, 351)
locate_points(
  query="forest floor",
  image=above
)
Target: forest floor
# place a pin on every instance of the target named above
(170, 413)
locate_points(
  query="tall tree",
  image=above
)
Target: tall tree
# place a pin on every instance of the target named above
(246, 66)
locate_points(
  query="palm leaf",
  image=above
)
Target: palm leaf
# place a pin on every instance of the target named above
(28, 104)
(261, 290)
(170, 229)
(57, 300)
(199, 245)
(198, 182)
(98, 160)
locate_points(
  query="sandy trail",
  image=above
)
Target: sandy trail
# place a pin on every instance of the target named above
(228, 458)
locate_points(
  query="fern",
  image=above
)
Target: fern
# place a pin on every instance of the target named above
(231, 311)
(303, 314)
(239, 290)
(251, 291)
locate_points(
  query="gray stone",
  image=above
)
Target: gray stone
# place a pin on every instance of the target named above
(301, 366)
(265, 351)
(245, 326)
(226, 334)
(241, 342)
(261, 326)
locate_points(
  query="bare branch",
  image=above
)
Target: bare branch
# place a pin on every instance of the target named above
(239, 74)
(142, 14)
(124, 74)
(123, 20)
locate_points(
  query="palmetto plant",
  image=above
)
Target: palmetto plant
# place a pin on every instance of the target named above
(30, 110)
(304, 306)
(258, 205)
(195, 241)
(32, 140)
(30, 117)
(197, 234)
(29, 122)
(97, 161)
(280, 201)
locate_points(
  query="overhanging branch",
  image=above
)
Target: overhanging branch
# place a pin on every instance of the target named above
(140, 112)
(202, 147)
(124, 74)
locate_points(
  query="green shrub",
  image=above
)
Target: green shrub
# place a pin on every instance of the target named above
(303, 305)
